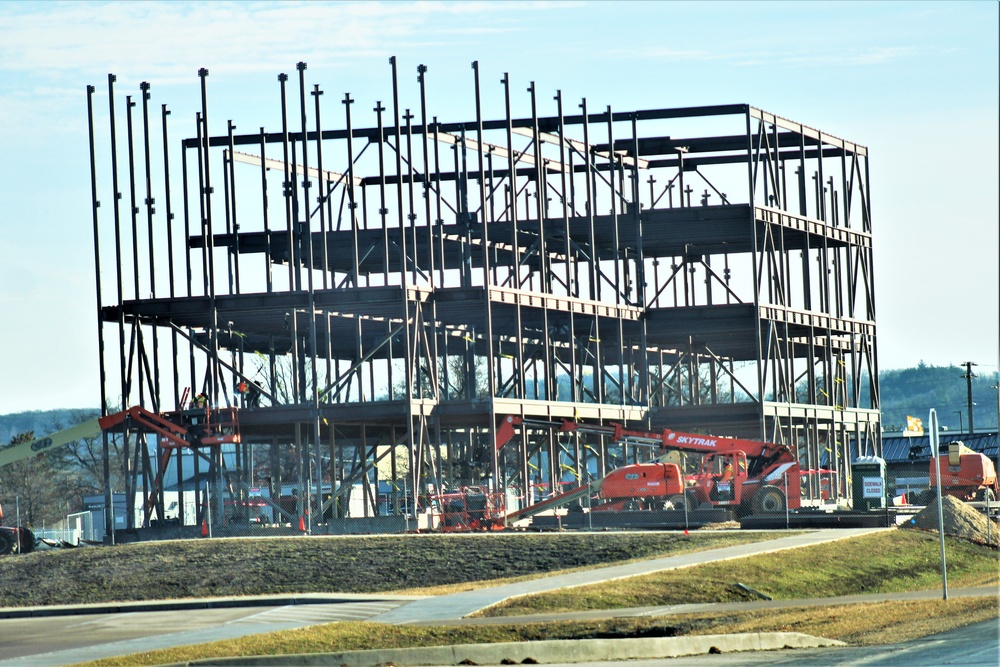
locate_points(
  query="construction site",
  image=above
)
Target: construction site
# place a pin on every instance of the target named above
(356, 319)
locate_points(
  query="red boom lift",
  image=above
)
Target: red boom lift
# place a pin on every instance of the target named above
(747, 476)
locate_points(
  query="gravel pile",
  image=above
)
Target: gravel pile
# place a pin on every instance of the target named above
(960, 520)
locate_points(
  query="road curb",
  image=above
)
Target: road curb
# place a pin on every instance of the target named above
(200, 603)
(540, 652)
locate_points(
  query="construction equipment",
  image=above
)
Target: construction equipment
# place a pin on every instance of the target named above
(746, 476)
(965, 474)
(184, 428)
(470, 508)
(15, 539)
(642, 486)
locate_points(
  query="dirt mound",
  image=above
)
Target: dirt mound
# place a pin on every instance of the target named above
(960, 520)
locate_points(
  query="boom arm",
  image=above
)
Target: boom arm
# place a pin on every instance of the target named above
(665, 440)
(172, 435)
(24, 450)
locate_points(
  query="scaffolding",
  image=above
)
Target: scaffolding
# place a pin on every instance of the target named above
(375, 292)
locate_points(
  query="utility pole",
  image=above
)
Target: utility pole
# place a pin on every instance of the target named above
(996, 388)
(968, 382)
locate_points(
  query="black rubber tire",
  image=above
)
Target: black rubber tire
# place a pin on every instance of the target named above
(985, 495)
(8, 540)
(692, 499)
(27, 540)
(768, 500)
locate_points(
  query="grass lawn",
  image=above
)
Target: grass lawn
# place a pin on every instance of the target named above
(356, 564)
(897, 560)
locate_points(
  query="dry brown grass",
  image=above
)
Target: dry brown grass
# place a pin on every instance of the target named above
(362, 564)
(859, 624)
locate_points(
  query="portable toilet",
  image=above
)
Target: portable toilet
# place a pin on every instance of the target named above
(868, 483)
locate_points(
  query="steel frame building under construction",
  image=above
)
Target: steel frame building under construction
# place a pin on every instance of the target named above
(375, 289)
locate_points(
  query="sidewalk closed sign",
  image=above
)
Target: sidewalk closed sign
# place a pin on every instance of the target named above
(873, 487)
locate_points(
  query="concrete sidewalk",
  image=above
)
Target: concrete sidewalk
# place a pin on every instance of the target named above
(460, 605)
(721, 607)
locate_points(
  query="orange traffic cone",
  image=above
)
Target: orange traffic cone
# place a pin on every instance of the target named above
(302, 524)
(204, 528)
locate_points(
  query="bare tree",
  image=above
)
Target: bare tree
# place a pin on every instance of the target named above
(86, 456)
(38, 485)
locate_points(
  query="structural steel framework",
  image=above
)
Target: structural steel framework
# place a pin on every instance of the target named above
(375, 288)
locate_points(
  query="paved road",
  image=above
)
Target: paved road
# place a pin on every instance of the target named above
(62, 640)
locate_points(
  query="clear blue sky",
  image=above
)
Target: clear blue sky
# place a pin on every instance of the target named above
(916, 82)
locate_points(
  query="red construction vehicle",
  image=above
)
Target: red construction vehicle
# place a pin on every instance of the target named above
(746, 476)
(642, 486)
(188, 428)
(470, 508)
(965, 474)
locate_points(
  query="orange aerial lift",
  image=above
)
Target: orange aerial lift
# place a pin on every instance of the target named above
(746, 476)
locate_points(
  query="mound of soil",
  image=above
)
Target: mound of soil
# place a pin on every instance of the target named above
(960, 520)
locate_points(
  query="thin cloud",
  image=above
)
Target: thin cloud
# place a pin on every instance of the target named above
(164, 40)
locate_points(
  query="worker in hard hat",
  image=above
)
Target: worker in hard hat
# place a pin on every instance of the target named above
(727, 471)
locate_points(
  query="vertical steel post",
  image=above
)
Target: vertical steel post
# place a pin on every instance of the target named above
(512, 179)
(187, 254)
(323, 196)
(640, 272)
(432, 226)
(572, 285)
(287, 189)
(134, 214)
(311, 286)
(213, 333)
(95, 204)
(172, 289)
(594, 263)
(118, 273)
(268, 253)
(232, 224)
(352, 203)
(756, 286)
(487, 286)
(408, 321)
(150, 203)
(382, 210)
(619, 259)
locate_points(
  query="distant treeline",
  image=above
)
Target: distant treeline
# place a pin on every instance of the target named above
(41, 422)
(914, 391)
